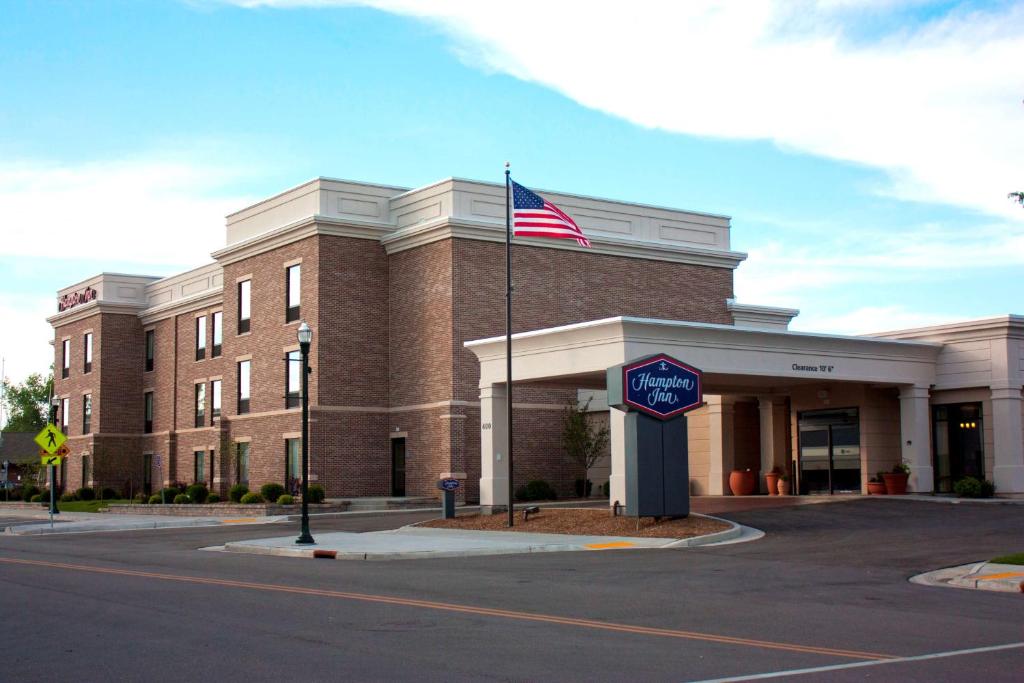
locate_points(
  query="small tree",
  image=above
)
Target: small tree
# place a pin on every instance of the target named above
(27, 403)
(584, 444)
(1017, 197)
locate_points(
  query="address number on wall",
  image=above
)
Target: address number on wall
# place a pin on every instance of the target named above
(485, 425)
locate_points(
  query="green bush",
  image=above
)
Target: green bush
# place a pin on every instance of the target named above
(579, 488)
(198, 493)
(236, 492)
(28, 491)
(155, 499)
(316, 494)
(169, 493)
(285, 499)
(140, 499)
(538, 489)
(971, 487)
(14, 494)
(38, 498)
(107, 493)
(271, 492)
(85, 494)
(213, 498)
(251, 498)
(182, 499)
(67, 497)
(606, 489)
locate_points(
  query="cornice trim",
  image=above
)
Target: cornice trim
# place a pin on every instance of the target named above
(210, 297)
(90, 309)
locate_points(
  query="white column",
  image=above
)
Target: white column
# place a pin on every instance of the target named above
(1008, 439)
(493, 458)
(767, 413)
(915, 437)
(617, 442)
(721, 457)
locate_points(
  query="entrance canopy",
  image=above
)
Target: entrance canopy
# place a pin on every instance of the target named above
(734, 360)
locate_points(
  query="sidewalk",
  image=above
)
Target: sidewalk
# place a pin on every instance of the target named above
(77, 522)
(411, 542)
(988, 576)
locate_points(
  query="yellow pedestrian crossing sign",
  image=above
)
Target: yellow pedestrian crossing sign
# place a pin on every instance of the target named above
(50, 439)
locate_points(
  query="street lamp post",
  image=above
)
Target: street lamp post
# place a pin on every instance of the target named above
(305, 335)
(54, 402)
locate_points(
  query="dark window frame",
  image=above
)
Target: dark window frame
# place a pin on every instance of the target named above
(239, 447)
(292, 395)
(148, 408)
(244, 324)
(200, 337)
(199, 403)
(65, 414)
(292, 310)
(199, 467)
(217, 323)
(216, 389)
(65, 361)
(87, 341)
(150, 349)
(244, 403)
(86, 413)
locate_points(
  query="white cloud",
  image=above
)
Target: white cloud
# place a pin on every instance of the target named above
(25, 342)
(148, 211)
(937, 105)
(869, 319)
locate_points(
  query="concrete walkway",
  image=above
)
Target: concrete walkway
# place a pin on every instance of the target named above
(411, 542)
(32, 523)
(1008, 578)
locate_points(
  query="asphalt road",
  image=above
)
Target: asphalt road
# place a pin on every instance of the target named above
(826, 588)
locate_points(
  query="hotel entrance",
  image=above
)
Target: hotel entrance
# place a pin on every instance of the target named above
(829, 451)
(959, 444)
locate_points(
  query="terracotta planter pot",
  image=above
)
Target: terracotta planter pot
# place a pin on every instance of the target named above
(876, 488)
(772, 483)
(895, 483)
(742, 482)
(782, 486)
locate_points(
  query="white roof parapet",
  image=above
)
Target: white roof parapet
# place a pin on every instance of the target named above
(760, 317)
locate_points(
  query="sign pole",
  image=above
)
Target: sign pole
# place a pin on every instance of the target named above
(508, 336)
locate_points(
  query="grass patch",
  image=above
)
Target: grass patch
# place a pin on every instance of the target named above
(1015, 558)
(88, 505)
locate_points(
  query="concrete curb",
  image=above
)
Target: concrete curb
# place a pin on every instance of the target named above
(975, 576)
(733, 532)
(943, 500)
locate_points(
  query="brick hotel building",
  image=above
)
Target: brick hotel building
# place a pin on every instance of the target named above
(193, 377)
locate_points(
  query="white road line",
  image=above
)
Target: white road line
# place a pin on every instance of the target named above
(856, 665)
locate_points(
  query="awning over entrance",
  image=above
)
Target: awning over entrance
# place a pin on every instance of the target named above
(734, 361)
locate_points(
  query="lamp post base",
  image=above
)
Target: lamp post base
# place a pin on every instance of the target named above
(305, 539)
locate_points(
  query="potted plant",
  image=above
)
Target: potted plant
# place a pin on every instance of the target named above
(896, 481)
(876, 485)
(743, 482)
(782, 486)
(772, 481)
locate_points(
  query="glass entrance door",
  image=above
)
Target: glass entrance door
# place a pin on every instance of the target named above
(829, 449)
(397, 467)
(959, 444)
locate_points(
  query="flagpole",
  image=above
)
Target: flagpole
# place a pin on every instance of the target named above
(508, 336)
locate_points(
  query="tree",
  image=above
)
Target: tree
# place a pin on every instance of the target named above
(27, 403)
(583, 443)
(1017, 197)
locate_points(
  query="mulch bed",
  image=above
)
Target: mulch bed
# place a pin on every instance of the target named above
(585, 523)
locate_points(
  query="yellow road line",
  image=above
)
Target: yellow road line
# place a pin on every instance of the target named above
(613, 544)
(241, 520)
(1003, 575)
(465, 609)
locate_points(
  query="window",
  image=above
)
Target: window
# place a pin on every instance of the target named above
(150, 349)
(148, 426)
(293, 292)
(201, 337)
(199, 471)
(293, 465)
(86, 474)
(243, 386)
(65, 358)
(87, 413)
(87, 348)
(218, 334)
(292, 380)
(242, 462)
(212, 465)
(244, 305)
(65, 410)
(215, 390)
(200, 404)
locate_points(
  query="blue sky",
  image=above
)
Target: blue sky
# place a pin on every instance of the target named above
(863, 149)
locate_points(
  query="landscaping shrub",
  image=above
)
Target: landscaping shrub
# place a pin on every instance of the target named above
(285, 499)
(28, 491)
(251, 498)
(606, 489)
(579, 488)
(14, 494)
(538, 489)
(38, 498)
(316, 493)
(236, 492)
(169, 493)
(107, 493)
(182, 499)
(67, 497)
(155, 499)
(271, 492)
(213, 498)
(141, 499)
(198, 493)
(85, 494)
(971, 487)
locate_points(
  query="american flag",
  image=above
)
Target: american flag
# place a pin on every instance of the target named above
(535, 216)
